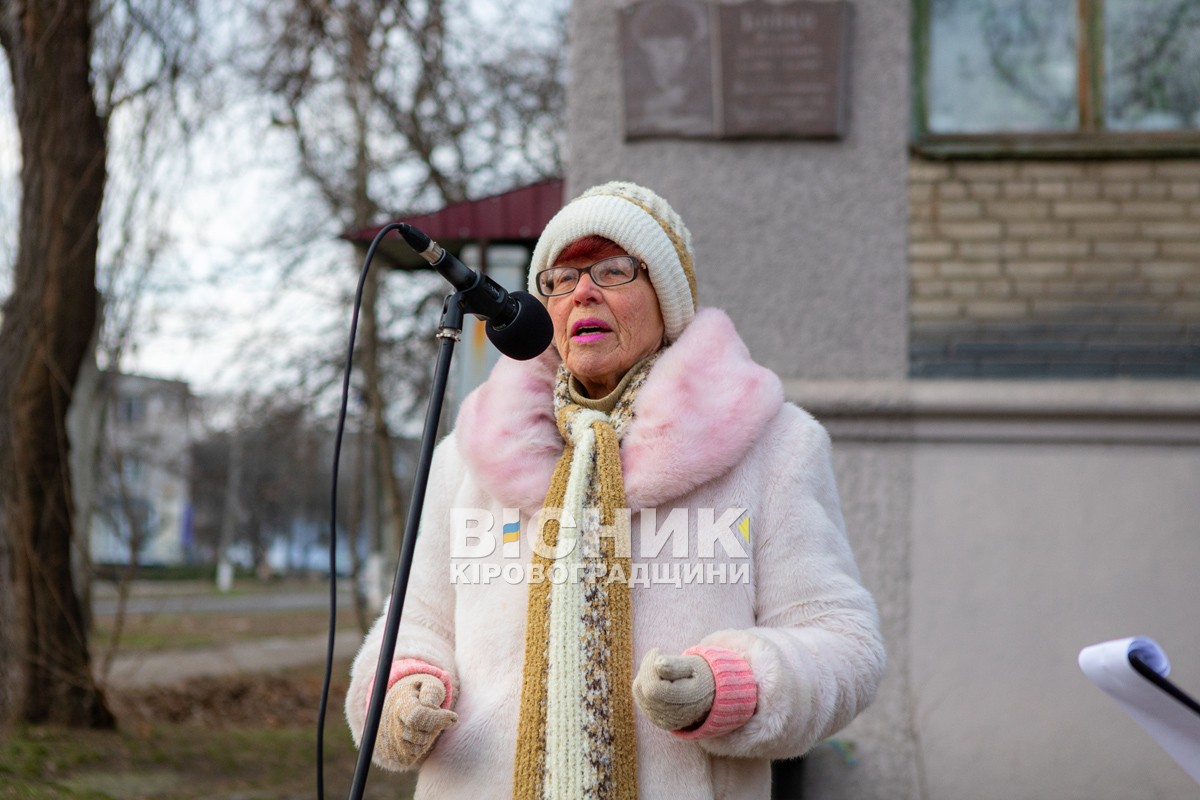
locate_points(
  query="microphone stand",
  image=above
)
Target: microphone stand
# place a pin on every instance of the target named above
(450, 332)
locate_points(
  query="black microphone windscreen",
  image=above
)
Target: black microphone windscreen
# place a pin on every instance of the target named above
(416, 240)
(529, 333)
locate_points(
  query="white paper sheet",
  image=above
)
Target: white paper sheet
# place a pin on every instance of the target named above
(1171, 722)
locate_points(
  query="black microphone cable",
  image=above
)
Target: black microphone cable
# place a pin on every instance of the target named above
(337, 454)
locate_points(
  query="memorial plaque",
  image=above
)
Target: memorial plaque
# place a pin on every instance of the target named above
(667, 60)
(751, 69)
(783, 69)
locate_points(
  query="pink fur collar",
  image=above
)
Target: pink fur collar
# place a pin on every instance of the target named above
(703, 406)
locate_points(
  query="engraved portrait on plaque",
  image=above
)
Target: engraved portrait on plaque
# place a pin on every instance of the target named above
(667, 61)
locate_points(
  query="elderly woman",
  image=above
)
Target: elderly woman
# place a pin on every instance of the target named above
(640, 496)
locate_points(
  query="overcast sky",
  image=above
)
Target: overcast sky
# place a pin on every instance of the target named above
(224, 301)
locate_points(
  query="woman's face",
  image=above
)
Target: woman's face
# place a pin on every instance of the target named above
(620, 325)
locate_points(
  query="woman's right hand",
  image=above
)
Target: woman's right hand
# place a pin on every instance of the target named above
(413, 718)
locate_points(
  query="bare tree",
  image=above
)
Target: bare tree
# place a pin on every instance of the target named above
(146, 165)
(75, 68)
(48, 321)
(128, 514)
(263, 480)
(396, 106)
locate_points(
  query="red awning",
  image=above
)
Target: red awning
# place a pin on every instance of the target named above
(513, 217)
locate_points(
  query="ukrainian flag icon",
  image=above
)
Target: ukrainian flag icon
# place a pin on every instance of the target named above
(512, 531)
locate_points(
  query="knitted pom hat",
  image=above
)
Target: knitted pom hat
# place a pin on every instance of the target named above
(644, 225)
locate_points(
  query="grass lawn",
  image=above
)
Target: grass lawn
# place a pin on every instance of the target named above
(179, 631)
(245, 738)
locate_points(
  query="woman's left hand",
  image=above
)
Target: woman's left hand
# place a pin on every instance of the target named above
(674, 692)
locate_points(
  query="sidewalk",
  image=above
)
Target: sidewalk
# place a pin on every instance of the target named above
(266, 653)
(141, 669)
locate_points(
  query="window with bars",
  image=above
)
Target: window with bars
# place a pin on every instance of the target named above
(1057, 77)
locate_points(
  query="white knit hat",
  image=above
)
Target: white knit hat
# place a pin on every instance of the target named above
(644, 225)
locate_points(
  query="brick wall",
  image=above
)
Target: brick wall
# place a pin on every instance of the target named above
(1054, 269)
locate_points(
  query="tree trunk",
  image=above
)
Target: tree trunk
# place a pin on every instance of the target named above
(47, 325)
(231, 515)
(365, 210)
(384, 452)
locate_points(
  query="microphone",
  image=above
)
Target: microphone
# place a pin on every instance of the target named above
(517, 323)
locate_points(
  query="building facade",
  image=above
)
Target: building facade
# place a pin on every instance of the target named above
(985, 287)
(1054, 268)
(139, 506)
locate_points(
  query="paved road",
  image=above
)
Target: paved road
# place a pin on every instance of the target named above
(134, 670)
(289, 600)
(137, 669)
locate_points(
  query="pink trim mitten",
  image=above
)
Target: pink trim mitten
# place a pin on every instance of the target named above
(415, 712)
(735, 696)
(673, 692)
(404, 667)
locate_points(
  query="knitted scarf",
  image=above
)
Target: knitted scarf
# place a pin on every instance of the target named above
(576, 737)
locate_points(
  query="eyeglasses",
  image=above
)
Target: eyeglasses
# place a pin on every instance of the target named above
(608, 272)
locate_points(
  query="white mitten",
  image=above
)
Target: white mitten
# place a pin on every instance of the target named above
(674, 692)
(412, 719)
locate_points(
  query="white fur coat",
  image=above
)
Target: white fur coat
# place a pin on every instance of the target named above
(776, 582)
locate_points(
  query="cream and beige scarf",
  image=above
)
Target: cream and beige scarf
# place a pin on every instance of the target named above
(576, 737)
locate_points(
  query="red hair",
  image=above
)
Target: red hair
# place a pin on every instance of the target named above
(589, 247)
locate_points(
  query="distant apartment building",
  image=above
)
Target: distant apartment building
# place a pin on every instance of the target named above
(139, 498)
